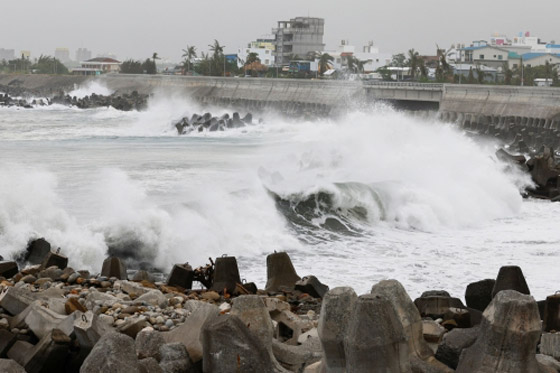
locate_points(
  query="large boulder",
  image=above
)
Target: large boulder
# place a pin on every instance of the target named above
(508, 337)
(45, 356)
(148, 342)
(551, 317)
(375, 340)
(229, 346)
(114, 353)
(336, 310)
(37, 250)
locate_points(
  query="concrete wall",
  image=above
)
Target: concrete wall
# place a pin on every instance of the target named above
(501, 101)
(456, 102)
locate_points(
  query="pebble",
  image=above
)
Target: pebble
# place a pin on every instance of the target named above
(109, 320)
(4, 323)
(210, 295)
(169, 323)
(28, 279)
(160, 320)
(73, 277)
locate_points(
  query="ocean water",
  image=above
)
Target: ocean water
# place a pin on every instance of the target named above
(372, 195)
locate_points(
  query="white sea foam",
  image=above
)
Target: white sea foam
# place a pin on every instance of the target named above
(441, 210)
(89, 88)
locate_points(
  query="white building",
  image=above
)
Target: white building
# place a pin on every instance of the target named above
(263, 48)
(370, 55)
(485, 55)
(98, 66)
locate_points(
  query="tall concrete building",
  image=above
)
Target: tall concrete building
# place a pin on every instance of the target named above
(83, 54)
(298, 37)
(7, 54)
(62, 54)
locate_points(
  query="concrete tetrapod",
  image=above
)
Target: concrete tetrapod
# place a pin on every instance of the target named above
(253, 312)
(510, 278)
(508, 337)
(335, 314)
(407, 314)
(280, 272)
(409, 317)
(229, 346)
(375, 340)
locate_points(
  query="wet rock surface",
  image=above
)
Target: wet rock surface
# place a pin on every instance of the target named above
(68, 320)
(209, 123)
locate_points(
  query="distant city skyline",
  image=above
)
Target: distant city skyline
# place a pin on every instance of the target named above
(138, 28)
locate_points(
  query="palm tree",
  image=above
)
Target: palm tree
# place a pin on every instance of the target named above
(324, 62)
(154, 58)
(218, 55)
(252, 57)
(413, 62)
(189, 54)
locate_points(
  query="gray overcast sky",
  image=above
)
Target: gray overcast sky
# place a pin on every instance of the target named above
(137, 28)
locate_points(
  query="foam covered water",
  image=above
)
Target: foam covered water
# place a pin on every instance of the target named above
(369, 196)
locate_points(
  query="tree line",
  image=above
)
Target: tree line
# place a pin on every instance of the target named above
(42, 65)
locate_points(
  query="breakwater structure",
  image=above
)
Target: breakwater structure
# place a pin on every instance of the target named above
(473, 106)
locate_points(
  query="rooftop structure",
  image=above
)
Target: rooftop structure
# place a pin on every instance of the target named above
(98, 66)
(298, 37)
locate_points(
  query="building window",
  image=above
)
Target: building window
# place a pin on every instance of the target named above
(515, 66)
(481, 57)
(500, 57)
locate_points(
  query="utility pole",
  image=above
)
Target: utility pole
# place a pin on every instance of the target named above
(522, 72)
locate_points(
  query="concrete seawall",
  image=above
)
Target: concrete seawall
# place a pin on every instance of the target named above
(463, 103)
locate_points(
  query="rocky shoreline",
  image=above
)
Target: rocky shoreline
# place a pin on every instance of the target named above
(123, 102)
(56, 319)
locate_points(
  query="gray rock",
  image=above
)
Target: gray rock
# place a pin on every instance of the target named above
(189, 333)
(133, 325)
(375, 340)
(174, 358)
(148, 343)
(508, 336)
(153, 297)
(149, 365)
(10, 366)
(142, 275)
(114, 353)
(41, 321)
(54, 259)
(280, 272)
(453, 343)
(131, 287)
(336, 310)
(312, 286)
(97, 297)
(229, 346)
